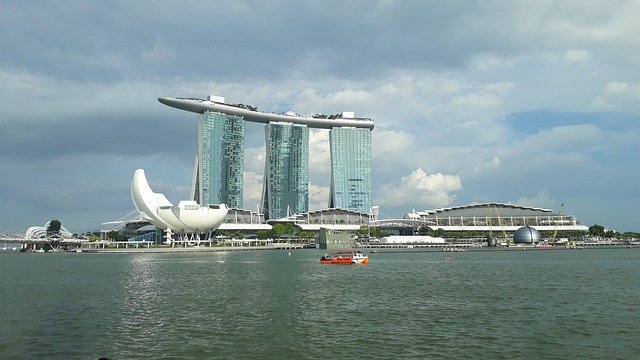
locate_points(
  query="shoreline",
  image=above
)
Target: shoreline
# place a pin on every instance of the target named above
(376, 250)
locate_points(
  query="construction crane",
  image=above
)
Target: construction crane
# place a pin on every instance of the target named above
(555, 228)
(504, 233)
(490, 223)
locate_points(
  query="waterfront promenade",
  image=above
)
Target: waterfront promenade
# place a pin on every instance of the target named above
(146, 247)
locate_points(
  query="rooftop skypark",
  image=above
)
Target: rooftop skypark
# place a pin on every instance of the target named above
(250, 113)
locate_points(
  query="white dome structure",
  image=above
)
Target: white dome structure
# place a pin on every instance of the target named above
(187, 217)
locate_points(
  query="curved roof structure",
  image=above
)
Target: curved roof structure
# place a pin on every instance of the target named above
(480, 209)
(187, 217)
(495, 216)
(200, 106)
(40, 232)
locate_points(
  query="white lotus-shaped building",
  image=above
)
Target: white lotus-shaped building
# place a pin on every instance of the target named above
(187, 217)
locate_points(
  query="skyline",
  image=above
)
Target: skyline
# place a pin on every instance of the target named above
(536, 104)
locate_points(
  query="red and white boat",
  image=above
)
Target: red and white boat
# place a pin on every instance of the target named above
(345, 257)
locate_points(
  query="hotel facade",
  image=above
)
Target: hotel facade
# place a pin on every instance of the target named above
(286, 170)
(219, 165)
(350, 169)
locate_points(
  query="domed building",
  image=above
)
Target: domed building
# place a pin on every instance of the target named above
(526, 235)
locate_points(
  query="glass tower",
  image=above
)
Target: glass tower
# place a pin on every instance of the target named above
(219, 168)
(286, 171)
(350, 169)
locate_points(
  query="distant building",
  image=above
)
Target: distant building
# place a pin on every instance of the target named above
(332, 239)
(493, 217)
(219, 168)
(286, 170)
(350, 169)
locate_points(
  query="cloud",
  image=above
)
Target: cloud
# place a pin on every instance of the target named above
(319, 156)
(618, 95)
(576, 55)
(252, 190)
(318, 197)
(79, 97)
(491, 61)
(541, 199)
(420, 188)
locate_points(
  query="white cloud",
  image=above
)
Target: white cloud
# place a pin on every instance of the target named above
(491, 165)
(319, 155)
(616, 87)
(439, 102)
(318, 197)
(491, 61)
(618, 95)
(254, 159)
(561, 139)
(576, 55)
(420, 188)
(541, 199)
(252, 190)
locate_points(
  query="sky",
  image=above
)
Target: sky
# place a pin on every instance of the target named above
(535, 103)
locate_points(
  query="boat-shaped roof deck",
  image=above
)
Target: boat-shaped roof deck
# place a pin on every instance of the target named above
(201, 105)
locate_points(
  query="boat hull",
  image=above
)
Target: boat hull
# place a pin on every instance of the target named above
(345, 258)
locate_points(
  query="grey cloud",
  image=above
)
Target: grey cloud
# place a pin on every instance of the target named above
(127, 135)
(116, 40)
(96, 68)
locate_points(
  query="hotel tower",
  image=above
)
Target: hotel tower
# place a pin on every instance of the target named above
(286, 170)
(350, 168)
(219, 170)
(219, 167)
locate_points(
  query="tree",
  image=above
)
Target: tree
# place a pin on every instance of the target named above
(264, 234)
(363, 231)
(54, 227)
(306, 234)
(596, 230)
(116, 236)
(282, 229)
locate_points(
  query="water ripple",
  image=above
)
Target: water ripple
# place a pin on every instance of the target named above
(268, 305)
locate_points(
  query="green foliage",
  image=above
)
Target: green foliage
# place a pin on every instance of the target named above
(264, 234)
(282, 229)
(229, 234)
(116, 236)
(596, 230)
(306, 234)
(372, 231)
(54, 227)
(363, 231)
(324, 116)
(569, 234)
(245, 106)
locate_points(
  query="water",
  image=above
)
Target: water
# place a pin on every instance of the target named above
(267, 305)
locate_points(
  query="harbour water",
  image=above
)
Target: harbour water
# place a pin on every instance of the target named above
(555, 304)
